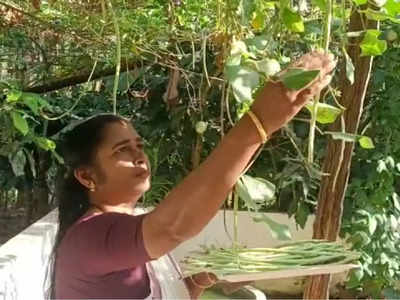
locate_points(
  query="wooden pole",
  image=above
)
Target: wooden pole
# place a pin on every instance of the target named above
(338, 155)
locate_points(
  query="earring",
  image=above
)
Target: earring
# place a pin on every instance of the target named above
(92, 187)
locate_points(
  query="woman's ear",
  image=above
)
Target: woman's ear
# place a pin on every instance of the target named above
(85, 177)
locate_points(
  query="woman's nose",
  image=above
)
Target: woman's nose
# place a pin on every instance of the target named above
(139, 161)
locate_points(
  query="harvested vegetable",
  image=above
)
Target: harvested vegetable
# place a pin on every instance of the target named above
(293, 255)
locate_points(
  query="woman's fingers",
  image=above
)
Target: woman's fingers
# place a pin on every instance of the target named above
(305, 95)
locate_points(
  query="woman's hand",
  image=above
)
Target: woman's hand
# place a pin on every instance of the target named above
(197, 283)
(275, 105)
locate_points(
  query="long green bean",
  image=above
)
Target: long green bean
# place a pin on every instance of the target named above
(294, 255)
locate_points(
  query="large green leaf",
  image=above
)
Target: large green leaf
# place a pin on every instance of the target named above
(255, 191)
(35, 102)
(13, 96)
(326, 113)
(371, 45)
(18, 161)
(292, 20)
(296, 78)
(243, 81)
(19, 122)
(392, 8)
(278, 231)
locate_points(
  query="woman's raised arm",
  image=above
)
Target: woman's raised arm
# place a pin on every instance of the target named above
(195, 201)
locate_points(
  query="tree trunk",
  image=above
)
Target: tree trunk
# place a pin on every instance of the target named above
(25, 199)
(82, 77)
(40, 188)
(333, 187)
(6, 200)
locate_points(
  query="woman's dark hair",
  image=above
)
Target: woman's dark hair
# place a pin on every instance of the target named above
(78, 148)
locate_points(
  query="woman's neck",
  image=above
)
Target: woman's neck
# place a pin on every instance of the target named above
(126, 208)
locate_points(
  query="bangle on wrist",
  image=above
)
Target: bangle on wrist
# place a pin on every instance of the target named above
(260, 128)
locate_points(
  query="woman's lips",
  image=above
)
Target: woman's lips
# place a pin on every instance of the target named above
(141, 172)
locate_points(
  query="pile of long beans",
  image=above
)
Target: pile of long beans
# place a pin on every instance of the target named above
(294, 255)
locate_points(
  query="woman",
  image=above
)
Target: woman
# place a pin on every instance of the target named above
(102, 248)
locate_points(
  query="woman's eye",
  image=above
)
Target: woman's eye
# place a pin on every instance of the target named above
(123, 149)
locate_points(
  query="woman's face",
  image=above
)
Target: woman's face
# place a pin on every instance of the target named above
(122, 168)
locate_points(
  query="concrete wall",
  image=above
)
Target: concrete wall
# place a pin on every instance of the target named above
(23, 260)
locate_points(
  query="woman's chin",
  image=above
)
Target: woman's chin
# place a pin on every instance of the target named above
(142, 186)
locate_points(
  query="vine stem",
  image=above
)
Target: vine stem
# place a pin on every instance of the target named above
(118, 57)
(327, 35)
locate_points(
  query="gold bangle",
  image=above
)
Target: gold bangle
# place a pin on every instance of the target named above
(260, 128)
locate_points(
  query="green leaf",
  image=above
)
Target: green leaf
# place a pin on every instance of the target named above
(371, 45)
(379, 16)
(396, 201)
(292, 20)
(13, 96)
(321, 4)
(260, 42)
(45, 143)
(381, 166)
(360, 238)
(326, 113)
(372, 224)
(255, 191)
(18, 161)
(233, 61)
(392, 8)
(278, 231)
(238, 48)
(243, 81)
(35, 102)
(19, 122)
(366, 142)
(296, 78)
(268, 66)
(126, 79)
(360, 2)
(259, 20)
(394, 223)
(355, 278)
(349, 67)
(302, 214)
(379, 3)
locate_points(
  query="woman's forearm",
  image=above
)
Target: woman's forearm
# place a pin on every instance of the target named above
(192, 204)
